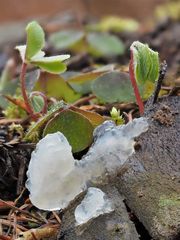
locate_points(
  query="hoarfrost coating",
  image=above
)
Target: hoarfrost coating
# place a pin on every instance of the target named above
(55, 178)
(95, 203)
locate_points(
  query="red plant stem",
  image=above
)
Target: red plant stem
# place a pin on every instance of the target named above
(23, 88)
(135, 87)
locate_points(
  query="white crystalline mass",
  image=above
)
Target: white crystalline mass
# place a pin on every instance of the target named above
(50, 163)
(55, 178)
(95, 203)
(112, 146)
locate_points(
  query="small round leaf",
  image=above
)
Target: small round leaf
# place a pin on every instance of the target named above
(77, 129)
(113, 87)
(37, 103)
(104, 44)
(66, 38)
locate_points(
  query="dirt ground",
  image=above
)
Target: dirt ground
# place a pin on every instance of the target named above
(12, 10)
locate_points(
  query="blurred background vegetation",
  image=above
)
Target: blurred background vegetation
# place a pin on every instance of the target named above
(12, 10)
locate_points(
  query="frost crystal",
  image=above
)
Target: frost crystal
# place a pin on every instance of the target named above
(55, 178)
(95, 203)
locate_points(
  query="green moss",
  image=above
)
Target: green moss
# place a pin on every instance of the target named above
(166, 201)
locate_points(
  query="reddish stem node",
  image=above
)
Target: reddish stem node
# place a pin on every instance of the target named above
(23, 88)
(135, 87)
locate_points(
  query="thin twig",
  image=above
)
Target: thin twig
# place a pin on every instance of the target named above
(57, 217)
(14, 227)
(3, 237)
(162, 74)
(22, 211)
(84, 100)
(21, 175)
(129, 115)
(174, 91)
(9, 223)
(4, 121)
(39, 214)
(1, 229)
(15, 202)
(25, 219)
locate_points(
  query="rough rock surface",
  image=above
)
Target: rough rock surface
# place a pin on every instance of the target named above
(150, 185)
(111, 226)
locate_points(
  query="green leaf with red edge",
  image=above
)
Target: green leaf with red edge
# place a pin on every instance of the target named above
(55, 86)
(37, 103)
(143, 68)
(95, 118)
(35, 131)
(145, 63)
(77, 129)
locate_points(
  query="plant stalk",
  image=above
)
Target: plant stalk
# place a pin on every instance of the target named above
(23, 88)
(135, 87)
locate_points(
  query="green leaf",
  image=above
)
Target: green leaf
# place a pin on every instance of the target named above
(65, 39)
(77, 129)
(95, 118)
(55, 86)
(51, 64)
(146, 89)
(34, 132)
(38, 55)
(115, 24)
(8, 85)
(37, 103)
(104, 44)
(145, 62)
(116, 87)
(8, 89)
(35, 39)
(113, 87)
(169, 9)
(81, 83)
(116, 117)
